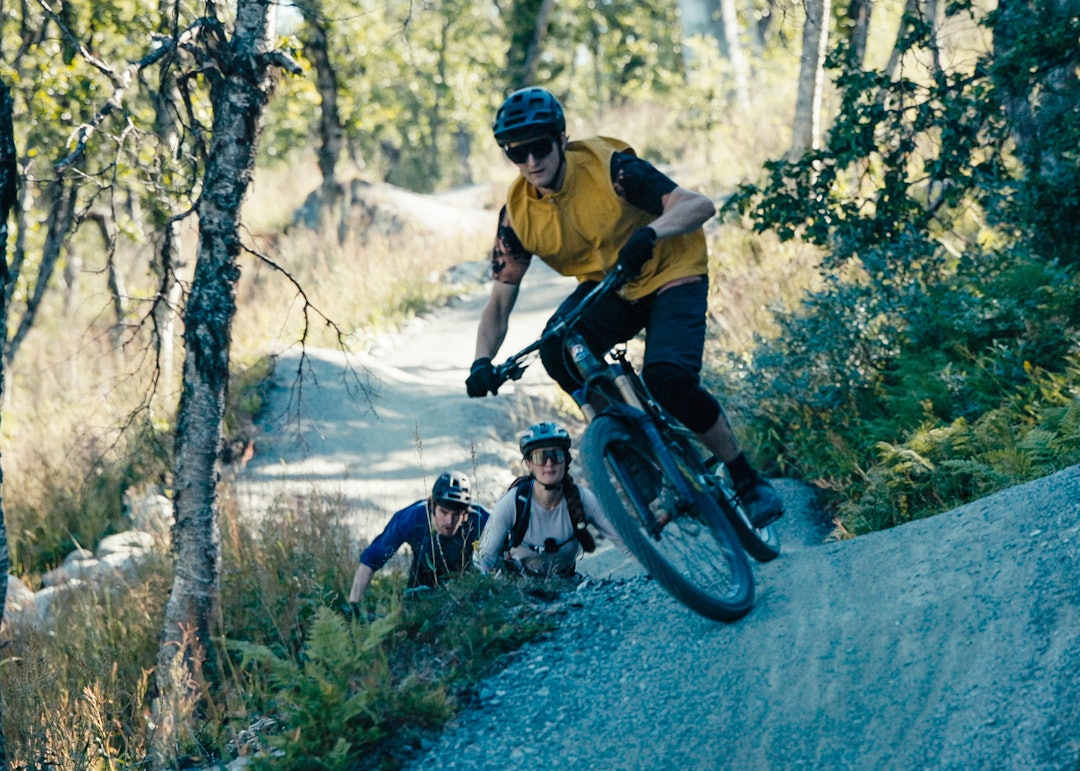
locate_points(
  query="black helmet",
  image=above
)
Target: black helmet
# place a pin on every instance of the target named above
(528, 112)
(544, 435)
(452, 490)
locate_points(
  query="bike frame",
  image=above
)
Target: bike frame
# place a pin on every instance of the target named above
(630, 407)
(692, 521)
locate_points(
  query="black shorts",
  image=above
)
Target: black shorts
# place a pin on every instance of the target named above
(673, 320)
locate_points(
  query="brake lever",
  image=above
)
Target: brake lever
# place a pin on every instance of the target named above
(511, 370)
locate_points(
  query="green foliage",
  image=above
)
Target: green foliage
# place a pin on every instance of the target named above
(939, 320)
(302, 686)
(940, 466)
(340, 696)
(356, 685)
(864, 375)
(611, 53)
(418, 85)
(411, 84)
(1036, 68)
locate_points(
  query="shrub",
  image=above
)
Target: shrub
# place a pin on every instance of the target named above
(358, 683)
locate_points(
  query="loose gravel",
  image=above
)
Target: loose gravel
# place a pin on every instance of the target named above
(951, 643)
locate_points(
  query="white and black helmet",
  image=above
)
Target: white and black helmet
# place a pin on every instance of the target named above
(544, 435)
(452, 490)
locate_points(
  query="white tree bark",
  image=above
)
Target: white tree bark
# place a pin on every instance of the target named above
(240, 89)
(8, 200)
(739, 67)
(806, 127)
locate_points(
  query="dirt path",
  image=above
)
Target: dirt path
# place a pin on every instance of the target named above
(952, 642)
(949, 643)
(378, 427)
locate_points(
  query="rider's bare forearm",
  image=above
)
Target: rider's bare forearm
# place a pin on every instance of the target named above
(495, 320)
(488, 342)
(360, 582)
(684, 211)
(490, 334)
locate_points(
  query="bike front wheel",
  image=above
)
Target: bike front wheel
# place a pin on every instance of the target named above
(688, 546)
(761, 543)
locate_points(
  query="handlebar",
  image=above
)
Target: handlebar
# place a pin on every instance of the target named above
(514, 366)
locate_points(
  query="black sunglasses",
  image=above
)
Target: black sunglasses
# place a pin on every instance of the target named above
(537, 148)
(544, 454)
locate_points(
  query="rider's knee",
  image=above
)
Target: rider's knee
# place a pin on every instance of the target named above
(553, 356)
(679, 392)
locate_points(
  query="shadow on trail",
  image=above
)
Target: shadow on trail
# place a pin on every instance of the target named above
(376, 428)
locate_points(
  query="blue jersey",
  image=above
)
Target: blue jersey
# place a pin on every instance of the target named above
(434, 555)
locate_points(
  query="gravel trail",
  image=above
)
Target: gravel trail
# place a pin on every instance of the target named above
(948, 643)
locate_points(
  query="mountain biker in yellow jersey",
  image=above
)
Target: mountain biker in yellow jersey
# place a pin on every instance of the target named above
(587, 208)
(540, 526)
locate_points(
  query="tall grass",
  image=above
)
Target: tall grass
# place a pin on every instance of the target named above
(75, 692)
(301, 683)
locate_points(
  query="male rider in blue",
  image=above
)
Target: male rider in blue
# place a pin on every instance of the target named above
(591, 207)
(441, 531)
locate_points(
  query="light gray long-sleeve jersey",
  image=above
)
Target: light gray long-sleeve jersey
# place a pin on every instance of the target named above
(543, 524)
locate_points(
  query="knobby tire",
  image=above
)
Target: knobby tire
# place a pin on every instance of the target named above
(697, 558)
(761, 543)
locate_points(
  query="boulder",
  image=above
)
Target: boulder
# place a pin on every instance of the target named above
(44, 599)
(71, 569)
(124, 543)
(19, 596)
(149, 512)
(115, 560)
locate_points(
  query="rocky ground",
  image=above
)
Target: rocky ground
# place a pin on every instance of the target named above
(949, 643)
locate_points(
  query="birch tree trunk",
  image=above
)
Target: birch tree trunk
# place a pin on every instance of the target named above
(536, 43)
(316, 41)
(911, 9)
(239, 93)
(739, 67)
(8, 199)
(806, 128)
(528, 31)
(859, 12)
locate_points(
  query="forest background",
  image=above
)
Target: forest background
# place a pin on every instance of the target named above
(894, 299)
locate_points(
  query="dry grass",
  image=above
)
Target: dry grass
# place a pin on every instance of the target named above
(75, 692)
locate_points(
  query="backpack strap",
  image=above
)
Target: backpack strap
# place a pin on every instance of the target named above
(522, 499)
(576, 508)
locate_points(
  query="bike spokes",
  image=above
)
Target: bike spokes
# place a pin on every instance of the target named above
(674, 529)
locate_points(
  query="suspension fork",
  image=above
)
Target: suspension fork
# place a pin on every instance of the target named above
(593, 370)
(631, 409)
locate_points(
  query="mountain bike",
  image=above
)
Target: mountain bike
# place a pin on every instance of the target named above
(671, 502)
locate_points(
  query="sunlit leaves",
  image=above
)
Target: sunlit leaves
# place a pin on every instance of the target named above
(937, 199)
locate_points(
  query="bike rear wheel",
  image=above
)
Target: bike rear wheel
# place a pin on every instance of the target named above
(761, 543)
(688, 546)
